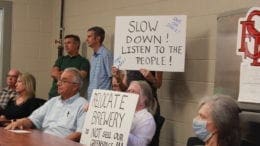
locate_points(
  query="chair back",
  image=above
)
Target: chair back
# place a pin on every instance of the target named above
(159, 120)
(40, 101)
(194, 141)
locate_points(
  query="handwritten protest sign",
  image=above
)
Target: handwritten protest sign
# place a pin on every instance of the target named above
(109, 118)
(152, 42)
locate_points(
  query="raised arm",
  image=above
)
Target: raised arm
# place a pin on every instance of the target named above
(120, 78)
(155, 80)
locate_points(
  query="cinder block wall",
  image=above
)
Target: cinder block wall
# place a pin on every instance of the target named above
(32, 47)
(36, 25)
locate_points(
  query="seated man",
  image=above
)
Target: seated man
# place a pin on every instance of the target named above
(63, 115)
(9, 92)
(143, 126)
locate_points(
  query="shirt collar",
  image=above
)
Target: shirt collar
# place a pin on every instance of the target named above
(73, 56)
(8, 89)
(99, 51)
(141, 111)
(71, 99)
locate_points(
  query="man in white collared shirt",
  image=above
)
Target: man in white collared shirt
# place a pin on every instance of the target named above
(143, 126)
(62, 115)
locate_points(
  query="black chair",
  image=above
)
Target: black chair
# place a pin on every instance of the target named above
(195, 141)
(245, 142)
(40, 101)
(159, 120)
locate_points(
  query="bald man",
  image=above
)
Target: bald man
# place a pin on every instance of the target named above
(9, 92)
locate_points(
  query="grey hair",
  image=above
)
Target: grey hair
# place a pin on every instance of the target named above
(146, 91)
(225, 115)
(77, 76)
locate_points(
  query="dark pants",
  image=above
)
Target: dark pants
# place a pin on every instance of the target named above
(159, 120)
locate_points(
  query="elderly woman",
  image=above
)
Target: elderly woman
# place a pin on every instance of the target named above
(143, 126)
(217, 122)
(24, 103)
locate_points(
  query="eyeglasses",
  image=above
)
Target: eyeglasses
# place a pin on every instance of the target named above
(66, 82)
(12, 76)
(132, 91)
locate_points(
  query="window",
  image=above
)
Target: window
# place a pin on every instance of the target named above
(5, 38)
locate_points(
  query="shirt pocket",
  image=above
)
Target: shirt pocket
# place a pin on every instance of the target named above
(68, 119)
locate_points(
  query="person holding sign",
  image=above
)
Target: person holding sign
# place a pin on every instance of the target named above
(143, 125)
(101, 61)
(115, 85)
(62, 115)
(154, 79)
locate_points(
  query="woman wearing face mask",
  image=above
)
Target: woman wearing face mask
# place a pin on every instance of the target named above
(217, 122)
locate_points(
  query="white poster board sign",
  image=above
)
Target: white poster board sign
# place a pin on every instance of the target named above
(248, 46)
(109, 118)
(151, 42)
(249, 87)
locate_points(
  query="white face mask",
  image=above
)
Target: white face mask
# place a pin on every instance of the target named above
(199, 127)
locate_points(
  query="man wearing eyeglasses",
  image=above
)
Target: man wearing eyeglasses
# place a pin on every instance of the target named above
(9, 92)
(62, 115)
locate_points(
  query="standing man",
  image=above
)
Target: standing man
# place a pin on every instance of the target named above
(62, 115)
(9, 92)
(101, 61)
(73, 59)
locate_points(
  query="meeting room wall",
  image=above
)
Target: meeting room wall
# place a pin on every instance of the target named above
(36, 24)
(33, 35)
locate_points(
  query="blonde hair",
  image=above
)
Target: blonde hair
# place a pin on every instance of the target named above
(30, 84)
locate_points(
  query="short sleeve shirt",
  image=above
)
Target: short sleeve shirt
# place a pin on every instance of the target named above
(60, 117)
(67, 61)
(100, 72)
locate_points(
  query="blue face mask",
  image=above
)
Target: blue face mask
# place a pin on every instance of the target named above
(199, 127)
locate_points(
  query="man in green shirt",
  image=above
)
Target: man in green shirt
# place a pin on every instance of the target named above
(73, 59)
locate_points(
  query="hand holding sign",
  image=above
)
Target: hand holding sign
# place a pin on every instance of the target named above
(109, 118)
(154, 42)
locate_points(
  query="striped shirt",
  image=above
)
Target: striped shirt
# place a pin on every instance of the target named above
(100, 70)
